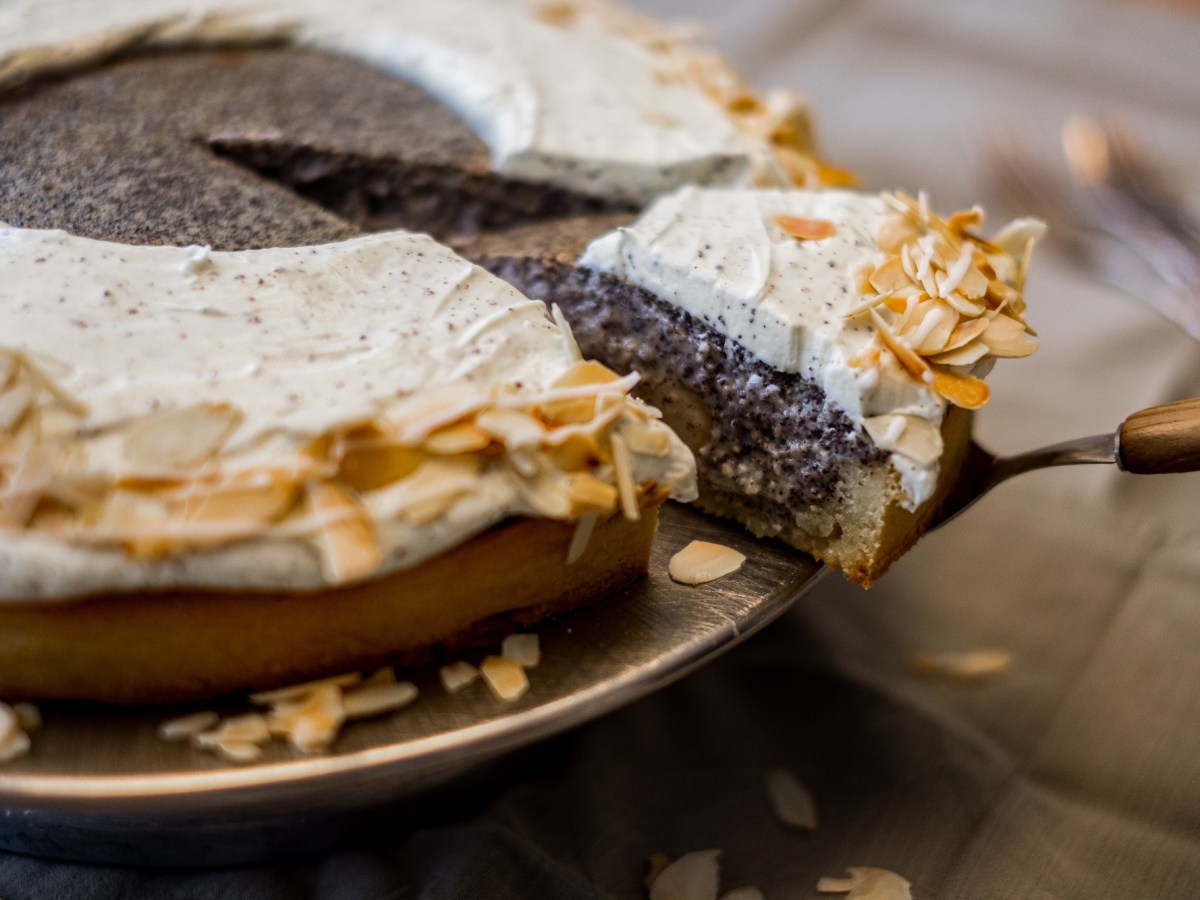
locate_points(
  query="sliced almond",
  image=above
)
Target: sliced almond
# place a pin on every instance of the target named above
(890, 276)
(933, 332)
(581, 537)
(506, 678)
(181, 437)
(457, 676)
(376, 699)
(965, 332)
(791, 801)
(647, 438)
(347, 545)
(962, 356)
(702, 561)
(511, 427)
(15, 403)
(912, 363)
(803, 229)
(868, 884)
(1006, 338)
(968, 665)
(239, 500)
(465, 437)
(965, 305)
(895, 232)
(366, 468)
(966, 391)
(694, 876)
(299, 691)
(313, 724)
(188, 726)
(626, 486)
(524, 649)
(589, 494)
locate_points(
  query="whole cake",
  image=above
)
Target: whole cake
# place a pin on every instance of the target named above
(251, 437)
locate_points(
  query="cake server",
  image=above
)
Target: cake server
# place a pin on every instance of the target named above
(1155, 441)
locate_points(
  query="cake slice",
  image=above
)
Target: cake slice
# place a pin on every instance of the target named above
(819, 352)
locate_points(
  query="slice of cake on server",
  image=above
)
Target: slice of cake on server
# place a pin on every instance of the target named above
(818, 351)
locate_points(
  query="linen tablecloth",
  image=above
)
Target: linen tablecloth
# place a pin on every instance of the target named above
(1076, 773)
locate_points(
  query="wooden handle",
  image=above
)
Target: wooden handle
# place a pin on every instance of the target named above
(1162, 439)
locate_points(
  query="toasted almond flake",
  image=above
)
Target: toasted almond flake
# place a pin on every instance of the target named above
(694, 876)
(701, 561)
(377, 699)
(254, 503)
(623, 469)
(790, 800)
(965, 332)
(188, 726)
(348, 548)
(506, 678)
(964, 220)
(48, 384)
(29, 717)
(655, 866)
(965, 305)
(581, 537)
(457, 676)
(181, 437)
(246, 728)
(239, 751)
(366, 468)
(647, 438)
(936, 324)
(386, 675)
(524, 649)
(966, 665)
(961, 356)
(15, 403)
(803, 229)
(17, 744)
(512, 427)
(588, 372)
(867, 884)
(890, 277)
(314, 723)
(912, 363)
(966, 391)
(557, 14)
(895, 232)
(298, 691)
(465, 437)
(958, 270)
(1006, 338)
(589, 494)
(748, 892)
(9, 723)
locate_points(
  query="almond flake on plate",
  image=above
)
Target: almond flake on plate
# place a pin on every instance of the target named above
(505, 677)
(457, 676)
(523, 649)
(694, 876)
(965, 665)
(701, 561)
(866, 883)
(376, 699)
(188, 726)
(790, 800)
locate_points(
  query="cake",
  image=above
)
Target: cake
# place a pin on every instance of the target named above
(249, 437)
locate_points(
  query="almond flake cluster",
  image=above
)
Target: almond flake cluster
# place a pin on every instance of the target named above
(567, 450)
(946, 299)
(308, 716)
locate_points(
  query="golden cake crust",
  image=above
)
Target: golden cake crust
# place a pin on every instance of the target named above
(188, 645)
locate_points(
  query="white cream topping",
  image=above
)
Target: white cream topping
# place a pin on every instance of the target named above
(577, 103)
(301, 341)
(720, 256)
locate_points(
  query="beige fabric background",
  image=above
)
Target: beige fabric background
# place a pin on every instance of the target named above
(1076, 774)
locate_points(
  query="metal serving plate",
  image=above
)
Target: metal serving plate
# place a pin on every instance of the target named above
(101, 785)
